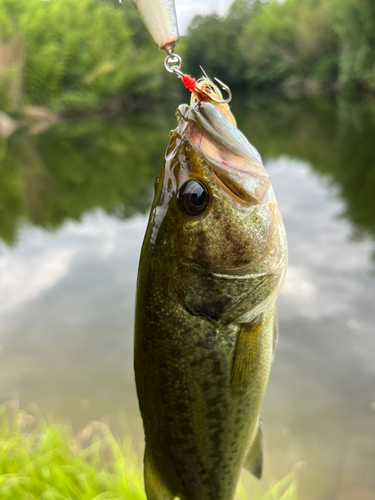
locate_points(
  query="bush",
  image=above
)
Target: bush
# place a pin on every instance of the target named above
(356, 28)
(264, 43)
(77, 53)
(42, 460)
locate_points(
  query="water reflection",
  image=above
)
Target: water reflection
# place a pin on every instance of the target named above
(334, 135)
(75, 167)
(318, 406)
(110, 163)
(67, 294)
(67, 301)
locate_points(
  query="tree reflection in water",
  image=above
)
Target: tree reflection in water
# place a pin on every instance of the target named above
(72, 337)
(111, 162)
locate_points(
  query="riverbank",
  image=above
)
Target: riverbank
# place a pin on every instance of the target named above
(42, 459)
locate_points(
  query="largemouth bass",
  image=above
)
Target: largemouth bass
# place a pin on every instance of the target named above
(212, 264)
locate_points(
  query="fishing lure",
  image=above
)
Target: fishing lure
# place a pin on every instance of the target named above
(160, 20)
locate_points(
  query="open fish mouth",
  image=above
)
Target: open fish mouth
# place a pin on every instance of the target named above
(234, 160)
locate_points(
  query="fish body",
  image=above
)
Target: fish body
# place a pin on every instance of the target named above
(159, 17)
(212, 264)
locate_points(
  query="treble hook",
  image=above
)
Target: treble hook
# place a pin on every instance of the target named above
(227, 90)
(172, 64)
(223, 87)
(213, 99)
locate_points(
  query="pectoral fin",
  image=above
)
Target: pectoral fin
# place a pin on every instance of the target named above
(254, 459)
(154, 485)
(247, 356)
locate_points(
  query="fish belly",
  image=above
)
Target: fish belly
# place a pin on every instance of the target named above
(200, 386)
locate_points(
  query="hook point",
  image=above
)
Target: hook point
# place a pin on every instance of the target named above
(227, 89)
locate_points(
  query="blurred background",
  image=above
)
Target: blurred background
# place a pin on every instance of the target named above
(86, 107)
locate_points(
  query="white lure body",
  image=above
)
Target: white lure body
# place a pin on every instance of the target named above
(159, 17)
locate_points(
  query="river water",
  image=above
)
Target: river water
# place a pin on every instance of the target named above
(73, 211)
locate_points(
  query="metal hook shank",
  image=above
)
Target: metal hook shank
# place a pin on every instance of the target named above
(227, 89)
(223, 87)
(172, 64)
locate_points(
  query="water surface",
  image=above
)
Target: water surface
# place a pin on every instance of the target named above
(73, 211)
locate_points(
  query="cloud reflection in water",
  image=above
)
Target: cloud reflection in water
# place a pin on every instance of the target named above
(67, 331)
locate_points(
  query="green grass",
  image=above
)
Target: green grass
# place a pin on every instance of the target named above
(43, 461)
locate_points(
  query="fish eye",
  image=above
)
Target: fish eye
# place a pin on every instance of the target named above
(193, 197)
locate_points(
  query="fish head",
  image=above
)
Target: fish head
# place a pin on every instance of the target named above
(216, 219)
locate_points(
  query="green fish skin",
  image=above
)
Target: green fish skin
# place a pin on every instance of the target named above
(206, 323)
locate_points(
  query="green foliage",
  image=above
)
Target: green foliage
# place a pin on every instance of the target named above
(77, 53)
(82, 54)
(75, 167)
(265, 44)
(290, 38)
(335, 135)
(213, 43)
(42, 460)
(261, 44)
(356, 28)
(12, 201)
(286, 489)
(48, 463)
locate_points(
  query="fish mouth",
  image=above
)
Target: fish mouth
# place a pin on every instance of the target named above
(236, 163)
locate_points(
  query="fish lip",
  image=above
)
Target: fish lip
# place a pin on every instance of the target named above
(213, 124)
(236, 164)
